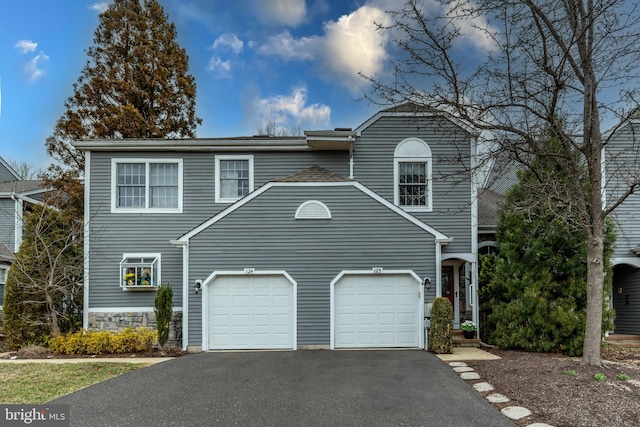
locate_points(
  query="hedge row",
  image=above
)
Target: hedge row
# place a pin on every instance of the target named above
(104, 342)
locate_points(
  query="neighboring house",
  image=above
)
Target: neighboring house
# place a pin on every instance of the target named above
(621, 166)
(17, 196)
(334, 239)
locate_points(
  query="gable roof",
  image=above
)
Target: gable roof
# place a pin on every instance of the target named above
(9, 169)
(22, 186)
(6, 254)
(410, 109)
(313, 176)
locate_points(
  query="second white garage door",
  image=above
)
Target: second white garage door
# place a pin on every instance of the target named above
(376, 310)
(251, 312)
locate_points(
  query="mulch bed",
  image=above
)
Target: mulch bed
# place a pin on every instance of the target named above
(561, 392)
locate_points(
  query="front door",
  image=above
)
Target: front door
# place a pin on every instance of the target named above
(450, 291)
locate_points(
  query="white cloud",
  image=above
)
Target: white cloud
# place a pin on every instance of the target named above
(222, 69)
(32, 70)
(354, 45)
(26, 46)
(291, 109)
(474, 30)
(228, 41)
(349, 46)
(280, 12)
(287, 47)
(100, 7)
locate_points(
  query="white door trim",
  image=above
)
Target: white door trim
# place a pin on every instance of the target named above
(411, 273)
(246, 272)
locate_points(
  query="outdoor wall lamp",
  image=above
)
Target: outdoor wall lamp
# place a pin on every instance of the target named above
(426, 282)
(198, 286)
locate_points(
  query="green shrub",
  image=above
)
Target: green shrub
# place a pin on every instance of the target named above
(133, 341)
(103, 342)
(72, 343)
(440, 339)
(163, 310)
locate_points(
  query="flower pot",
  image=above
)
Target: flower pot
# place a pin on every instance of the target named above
(468, 334)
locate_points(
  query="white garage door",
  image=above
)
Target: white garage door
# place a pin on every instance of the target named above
(376, 311)
(251, 312)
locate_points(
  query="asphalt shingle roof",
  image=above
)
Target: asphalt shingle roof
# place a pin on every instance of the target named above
(21, 186)
(314, 174)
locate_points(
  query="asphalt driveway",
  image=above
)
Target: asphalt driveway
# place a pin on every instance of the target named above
(297, 388)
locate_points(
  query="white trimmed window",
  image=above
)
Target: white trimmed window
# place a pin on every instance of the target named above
(313, 209)
(146, 185)
(412, 175)
(234, 177)
(140, 271)
(3, 277)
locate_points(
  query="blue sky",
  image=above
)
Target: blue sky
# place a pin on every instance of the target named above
(289, 61)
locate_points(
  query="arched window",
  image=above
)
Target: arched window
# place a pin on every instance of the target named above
(412, 175)
(313, 209)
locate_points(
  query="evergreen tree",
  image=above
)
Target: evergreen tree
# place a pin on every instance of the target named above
(537, 297)
(43, 293)
(134, 85)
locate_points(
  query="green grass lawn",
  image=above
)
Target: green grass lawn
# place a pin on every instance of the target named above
(36, 383)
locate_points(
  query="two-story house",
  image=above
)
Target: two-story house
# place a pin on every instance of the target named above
(17, 196)
(621, 168)
(333, 239)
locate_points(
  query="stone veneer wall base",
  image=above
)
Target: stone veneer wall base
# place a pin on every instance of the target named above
(117, 321)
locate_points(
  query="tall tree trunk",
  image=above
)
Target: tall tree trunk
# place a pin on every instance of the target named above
(54, 327)
(595, 280)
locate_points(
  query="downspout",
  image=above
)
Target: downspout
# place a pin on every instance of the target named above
(87, 205)
(351, 156)
(18, 224)
(438, 269)
(475, 183)
(185, 289)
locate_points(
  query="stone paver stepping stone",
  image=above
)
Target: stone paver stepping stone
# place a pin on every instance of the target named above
(482, 387)
(515, 412)
(463, 369)
(470, 376)
(539, 425)
(497, 398)
(457, 364)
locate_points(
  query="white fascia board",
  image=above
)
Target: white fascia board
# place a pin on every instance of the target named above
(246, 199)
(10, 169)
(458, 122)
(439, 237)
(199, 145)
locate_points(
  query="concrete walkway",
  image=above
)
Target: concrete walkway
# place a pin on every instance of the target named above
(467, 353)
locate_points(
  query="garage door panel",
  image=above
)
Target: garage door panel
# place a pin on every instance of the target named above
(387, 319)
(386, 308)
(251, 312)
(366, 319)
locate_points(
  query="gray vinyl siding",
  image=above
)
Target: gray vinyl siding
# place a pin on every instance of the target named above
(264, 235)
(622, 163)
(5, 175)
(113, 234)
(450, 149)
(627, 302)
(8, 222)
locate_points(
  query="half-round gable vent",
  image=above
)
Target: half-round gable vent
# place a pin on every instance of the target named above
(313, 209)
(412, 147)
